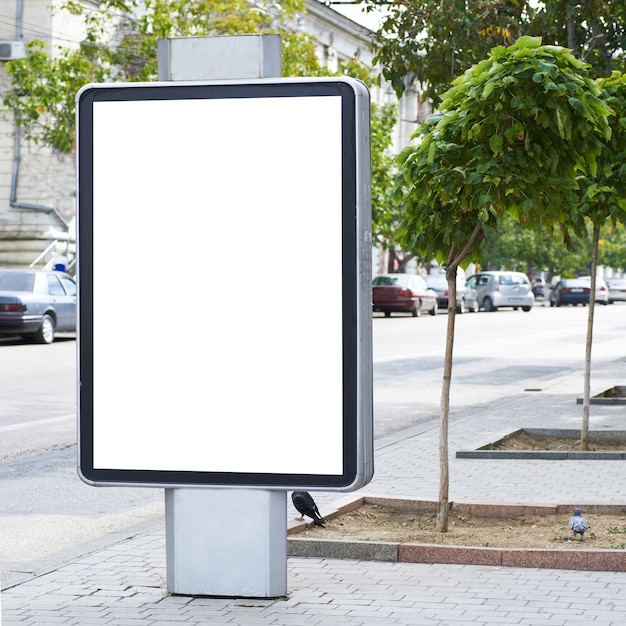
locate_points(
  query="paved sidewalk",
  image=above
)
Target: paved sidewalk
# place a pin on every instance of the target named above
(124, 583)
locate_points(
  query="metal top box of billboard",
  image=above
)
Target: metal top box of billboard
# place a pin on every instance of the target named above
(224, 277)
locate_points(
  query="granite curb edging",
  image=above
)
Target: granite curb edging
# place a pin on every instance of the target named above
(600, 398)
(398, 552)
(540, 455)
(485, 452)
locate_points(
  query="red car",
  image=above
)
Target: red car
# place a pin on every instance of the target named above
(403, 293)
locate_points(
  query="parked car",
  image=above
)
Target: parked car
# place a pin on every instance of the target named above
(403, 293)
(35, 303)
(602, 290)
(617, 289)
(539, 288)
(465, 297)
(576, 291)
(502, 289)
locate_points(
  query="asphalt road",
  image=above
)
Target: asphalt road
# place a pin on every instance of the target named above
(37, 396)
(495, 355)
(47, 514)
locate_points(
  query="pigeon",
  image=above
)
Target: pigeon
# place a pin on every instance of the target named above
(578, 524)
(305, 505)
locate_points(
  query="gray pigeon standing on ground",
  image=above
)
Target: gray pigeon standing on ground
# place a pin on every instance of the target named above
(305, 505)
(578, 524)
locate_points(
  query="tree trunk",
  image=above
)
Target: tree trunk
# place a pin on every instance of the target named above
(444, 476)
(584, 431)
(570, 19)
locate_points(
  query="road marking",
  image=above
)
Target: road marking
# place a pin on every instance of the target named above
(47, 420)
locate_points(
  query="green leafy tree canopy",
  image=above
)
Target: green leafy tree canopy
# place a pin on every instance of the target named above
(120, 44)
(604, 193)
(512, 135)
(434, 41)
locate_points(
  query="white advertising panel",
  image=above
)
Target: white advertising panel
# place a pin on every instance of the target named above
(224, 311)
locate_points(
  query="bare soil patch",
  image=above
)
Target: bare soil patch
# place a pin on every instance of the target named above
(523, 440)
(613, 392)
(373, 522)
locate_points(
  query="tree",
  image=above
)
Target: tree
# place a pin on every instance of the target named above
(434, 41)
(512, 136)
(612, 247)
(121, 45)
(604, 200)
(383, 119)
(517, 247)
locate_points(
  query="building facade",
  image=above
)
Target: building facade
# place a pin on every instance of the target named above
(37, 184)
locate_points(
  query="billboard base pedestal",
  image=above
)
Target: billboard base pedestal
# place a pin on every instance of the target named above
(226, 542)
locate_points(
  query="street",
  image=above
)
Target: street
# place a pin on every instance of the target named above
(47, 514)
(495, 355)
(38, 396)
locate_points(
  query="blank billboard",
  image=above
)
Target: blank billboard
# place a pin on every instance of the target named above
(224, 284)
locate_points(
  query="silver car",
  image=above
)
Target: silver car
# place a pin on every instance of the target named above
(502, 289)
(617, 289)
(35, 303)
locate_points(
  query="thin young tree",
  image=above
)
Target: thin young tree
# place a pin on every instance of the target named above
(604, 200)
(512, 135)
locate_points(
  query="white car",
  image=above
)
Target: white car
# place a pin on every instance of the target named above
(617, 289)
(502, 289)
(602, 290)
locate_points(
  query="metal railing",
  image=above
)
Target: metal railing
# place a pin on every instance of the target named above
(51, 248)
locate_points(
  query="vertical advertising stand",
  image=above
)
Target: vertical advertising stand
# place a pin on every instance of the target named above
(223, 200)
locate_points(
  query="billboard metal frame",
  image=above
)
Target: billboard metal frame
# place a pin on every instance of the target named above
(355, 270)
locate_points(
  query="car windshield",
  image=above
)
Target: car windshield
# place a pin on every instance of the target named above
(512, 279)
(10, 281)
(437, 281)
(390, 281)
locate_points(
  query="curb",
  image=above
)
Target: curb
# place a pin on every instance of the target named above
(550, 455)
(601, 399)
(541, 455)
(397, 552)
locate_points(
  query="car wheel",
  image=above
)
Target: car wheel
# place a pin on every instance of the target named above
(526, 308)
(417, 310)
(489, 306)
(434, 310)
(461, 308)
(45, 333)
(387, 313)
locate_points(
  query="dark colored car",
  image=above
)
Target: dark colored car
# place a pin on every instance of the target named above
(576, 291)
(35, 304)
(403, 293)
(465, 297)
